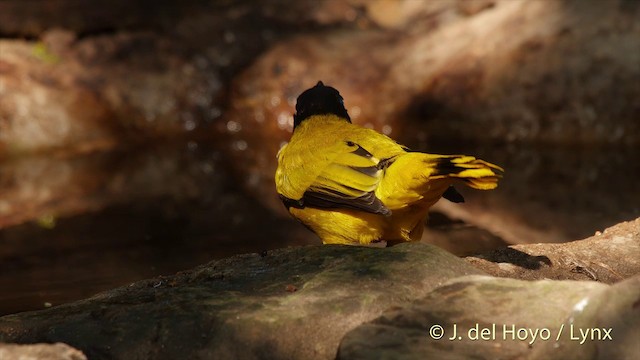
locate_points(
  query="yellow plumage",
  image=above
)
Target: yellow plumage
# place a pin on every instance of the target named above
(352, 185)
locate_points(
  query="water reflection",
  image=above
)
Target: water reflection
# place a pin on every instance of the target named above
(123, 216)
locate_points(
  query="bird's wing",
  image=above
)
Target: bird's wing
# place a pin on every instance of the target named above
(348, 181)
(345, 175)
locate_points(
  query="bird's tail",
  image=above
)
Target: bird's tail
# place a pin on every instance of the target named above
(416, 177)
(475, 173)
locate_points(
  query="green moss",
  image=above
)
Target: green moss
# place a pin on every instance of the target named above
(41, 52)
(47, 221)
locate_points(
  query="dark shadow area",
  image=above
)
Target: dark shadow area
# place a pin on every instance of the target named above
(516, 257)
(458, 237)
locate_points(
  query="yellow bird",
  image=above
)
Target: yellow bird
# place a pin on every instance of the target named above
(352, 185)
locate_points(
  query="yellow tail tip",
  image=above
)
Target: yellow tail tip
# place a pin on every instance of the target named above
(480, 174)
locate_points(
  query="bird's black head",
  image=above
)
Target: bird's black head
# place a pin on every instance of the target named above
(319, 100)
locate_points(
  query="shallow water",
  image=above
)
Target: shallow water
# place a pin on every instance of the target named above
(74, 226)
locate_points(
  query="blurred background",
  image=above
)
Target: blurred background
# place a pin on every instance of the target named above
(138, 138)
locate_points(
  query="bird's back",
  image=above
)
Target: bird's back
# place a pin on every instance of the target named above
(353, 185)
(318, 142)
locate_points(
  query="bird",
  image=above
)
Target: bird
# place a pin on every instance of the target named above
(352, 185)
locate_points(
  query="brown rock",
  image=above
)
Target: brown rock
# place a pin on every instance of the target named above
(56, 351)
(83, 87)
(241, 308)
(490, 318)
(608, 257)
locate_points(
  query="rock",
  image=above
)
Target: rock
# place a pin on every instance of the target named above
(83, 87)
(535, 71)
(56, 351)
(505, 319)
(290, 303)
(96, 93)
(608, 257)
(616, 309)
(20, 19)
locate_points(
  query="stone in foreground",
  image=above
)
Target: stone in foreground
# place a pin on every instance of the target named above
(481, 317)
(287, 304)
(40, 352)
(607, 257)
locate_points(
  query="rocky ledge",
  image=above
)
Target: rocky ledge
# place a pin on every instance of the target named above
(320, 302)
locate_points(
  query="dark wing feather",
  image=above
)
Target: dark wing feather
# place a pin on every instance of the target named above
(369, 202)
